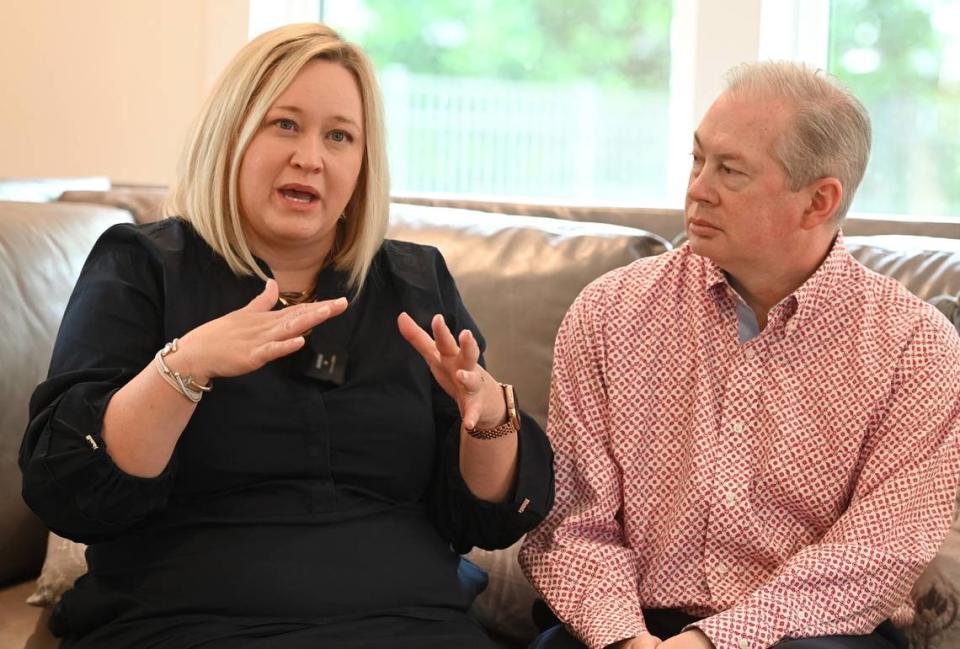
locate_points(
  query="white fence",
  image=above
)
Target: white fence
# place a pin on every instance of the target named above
(481, 136)
(580, 143)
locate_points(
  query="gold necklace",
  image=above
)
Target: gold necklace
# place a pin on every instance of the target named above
(289, 298)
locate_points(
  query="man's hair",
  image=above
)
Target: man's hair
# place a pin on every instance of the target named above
(829, 133)
(206, 192)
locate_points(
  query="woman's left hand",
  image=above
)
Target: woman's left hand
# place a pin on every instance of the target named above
(454, 365)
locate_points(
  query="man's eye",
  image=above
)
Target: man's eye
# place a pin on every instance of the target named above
(728, 170)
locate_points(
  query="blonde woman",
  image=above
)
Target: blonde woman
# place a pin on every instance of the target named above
(246, 418)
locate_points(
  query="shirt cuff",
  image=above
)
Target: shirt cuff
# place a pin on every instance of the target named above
(743, 627)
(498, 525)
(607, 618)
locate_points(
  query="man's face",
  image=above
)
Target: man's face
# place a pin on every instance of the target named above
(740, 211)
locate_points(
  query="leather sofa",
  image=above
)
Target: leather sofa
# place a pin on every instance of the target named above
(518, 269)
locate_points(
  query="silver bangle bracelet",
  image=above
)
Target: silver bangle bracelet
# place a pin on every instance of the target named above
(184, 385)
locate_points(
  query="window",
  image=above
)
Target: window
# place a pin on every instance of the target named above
(551, 101)
(586, 102)
(902, 59)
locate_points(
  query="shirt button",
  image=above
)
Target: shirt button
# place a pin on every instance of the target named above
(738, 427)
(744, 644)
(749, 353)
(730, 500)
(720, 570)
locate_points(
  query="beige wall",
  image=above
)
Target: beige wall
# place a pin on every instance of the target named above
(108, 87)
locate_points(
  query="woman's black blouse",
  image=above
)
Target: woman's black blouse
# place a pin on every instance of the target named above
(295, 495)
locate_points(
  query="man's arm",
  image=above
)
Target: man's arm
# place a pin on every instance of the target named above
(577, 558)
(900, 509)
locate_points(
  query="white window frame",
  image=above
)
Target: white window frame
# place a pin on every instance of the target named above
(707, 38)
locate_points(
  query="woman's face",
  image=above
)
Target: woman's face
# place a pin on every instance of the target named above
(301, 167)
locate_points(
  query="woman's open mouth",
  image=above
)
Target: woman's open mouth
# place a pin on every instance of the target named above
(299, 194)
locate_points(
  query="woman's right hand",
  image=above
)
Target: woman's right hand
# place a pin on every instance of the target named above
(250, 337)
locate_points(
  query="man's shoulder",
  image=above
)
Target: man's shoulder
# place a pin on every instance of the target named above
(889, 307)
(658, 278)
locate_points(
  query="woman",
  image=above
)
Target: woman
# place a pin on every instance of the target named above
(289, 464)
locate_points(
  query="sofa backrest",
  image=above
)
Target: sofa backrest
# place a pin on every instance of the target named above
(42, 249)
(927, 266)
(518, 275)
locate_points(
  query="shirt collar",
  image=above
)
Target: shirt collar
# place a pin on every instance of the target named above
(825, 287)
(812, 297)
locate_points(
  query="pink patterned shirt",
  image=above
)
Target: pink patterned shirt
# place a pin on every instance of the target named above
(793, 485)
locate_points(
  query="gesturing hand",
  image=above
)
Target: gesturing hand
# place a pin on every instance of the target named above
(250, 337)
(454, 365)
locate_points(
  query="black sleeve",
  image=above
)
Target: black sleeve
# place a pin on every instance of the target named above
(462, 518)
(110, 331)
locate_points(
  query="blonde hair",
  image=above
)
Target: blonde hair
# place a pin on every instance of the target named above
(830, 129)
(206, 192)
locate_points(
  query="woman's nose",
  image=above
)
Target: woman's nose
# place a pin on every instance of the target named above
(308, 156)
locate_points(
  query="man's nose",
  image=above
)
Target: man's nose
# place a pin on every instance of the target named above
(700, 186)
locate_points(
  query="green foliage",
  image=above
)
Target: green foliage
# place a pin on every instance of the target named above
(899, 32)
(890, 54)
(615, 43)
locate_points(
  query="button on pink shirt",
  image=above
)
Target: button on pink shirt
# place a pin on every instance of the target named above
(791, 486)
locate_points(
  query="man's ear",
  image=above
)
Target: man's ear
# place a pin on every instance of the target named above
(825, 195)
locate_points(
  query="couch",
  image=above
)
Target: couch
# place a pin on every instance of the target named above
(518, 268)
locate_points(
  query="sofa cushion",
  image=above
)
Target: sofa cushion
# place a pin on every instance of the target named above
(927, 266)
(22, 626)
(518, 275)
(42, 248)
(145, 203)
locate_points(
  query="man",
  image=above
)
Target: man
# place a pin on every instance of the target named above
(756, 438)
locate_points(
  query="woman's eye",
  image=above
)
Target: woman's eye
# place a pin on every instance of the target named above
(285, 124)
(341, 136)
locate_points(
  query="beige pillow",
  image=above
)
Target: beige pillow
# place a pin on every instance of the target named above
(65, 562)
(936, 596)
(505, 606)
(144, 203)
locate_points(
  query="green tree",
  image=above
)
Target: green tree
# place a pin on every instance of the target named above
(615, 43)
(890, 53)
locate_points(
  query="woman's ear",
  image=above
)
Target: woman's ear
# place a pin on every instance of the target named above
(825, 196)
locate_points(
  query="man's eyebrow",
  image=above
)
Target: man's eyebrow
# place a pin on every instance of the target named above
(721, 156)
